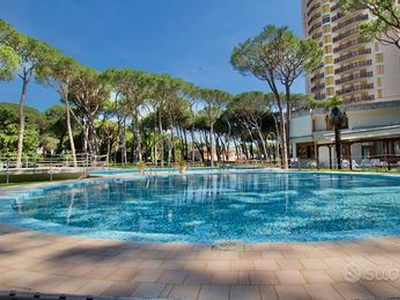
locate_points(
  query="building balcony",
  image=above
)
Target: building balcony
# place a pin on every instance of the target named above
(359, 18)
(351, 77)
(317, 76)
(314, 18)
(309, 3)
(337, 17)
(358, 64)
(320, 96)
(313, 8)
(349, 44)
(352, 54)
(360, 98)
(317, 87)
(356, 88)
(335, 7)
(346, 34)
(314, 27)
(317, 36)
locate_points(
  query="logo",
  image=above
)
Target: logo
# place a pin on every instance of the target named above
(352, 273)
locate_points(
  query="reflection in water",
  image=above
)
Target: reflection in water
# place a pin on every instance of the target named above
(248, 207)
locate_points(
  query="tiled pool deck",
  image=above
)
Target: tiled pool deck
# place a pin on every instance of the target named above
(40, 262)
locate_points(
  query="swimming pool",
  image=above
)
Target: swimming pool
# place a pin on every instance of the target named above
(204, 208)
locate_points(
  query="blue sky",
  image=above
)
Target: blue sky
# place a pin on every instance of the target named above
(190, 39)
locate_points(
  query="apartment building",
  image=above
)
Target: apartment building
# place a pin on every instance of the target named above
(353, 68)
(366, 75)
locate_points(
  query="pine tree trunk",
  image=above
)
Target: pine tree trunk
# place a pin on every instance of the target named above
(70, 135)
(212, 143)
(21, 116)
(160, 128)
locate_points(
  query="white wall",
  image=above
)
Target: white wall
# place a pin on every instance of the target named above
(301, 126)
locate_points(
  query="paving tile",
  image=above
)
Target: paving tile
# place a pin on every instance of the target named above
(313, 263)
(151, 264)
(195, 265)
(195, 278)
(209, 292)
(184, 292)
(290, 277)
(335, 262)
(242, 265)
(149, 276)
(244, 292)
(316, 276)
(352, 290)
(172, 265)
(172, 277)
(225, 278)
(148, 290)
(268, 293)
(122, 274)
(381, 289)
(94, 287)
(263, 277)
(265, 265)
(99, 273)
(244, 278)
(119, 290)
(291, 292)
(219, 265)
(251, 254)
(272, 254)
(289, 264)
(229, 255)
(322, 291)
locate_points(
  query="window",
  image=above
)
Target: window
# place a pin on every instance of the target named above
(327, 39)
(328, 59)
(380, 70)
(328, 123)
(326, 20)
(326, 28)
(330, 92)
(379, 82)
(379, 57)
(329, 70)
(380, 94)
(328, 49)
(329, 81)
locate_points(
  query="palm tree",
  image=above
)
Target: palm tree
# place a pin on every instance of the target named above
(339, 121)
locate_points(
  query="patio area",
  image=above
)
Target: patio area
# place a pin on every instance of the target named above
(38, 262)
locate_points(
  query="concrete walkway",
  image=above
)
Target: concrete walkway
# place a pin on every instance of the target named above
(33, 261)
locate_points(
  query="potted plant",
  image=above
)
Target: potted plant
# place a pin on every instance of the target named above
(182, 166)
(141, 165)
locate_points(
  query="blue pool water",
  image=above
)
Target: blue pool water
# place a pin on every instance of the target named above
(246, 206)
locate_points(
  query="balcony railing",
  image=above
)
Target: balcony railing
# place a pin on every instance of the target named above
(310, 11)
(345, 35)
(352, 54)
(337, 17)
(315, 26)
(358, 64)
(318, 87)
(358, 41)
(355, 88)
(317, 76)
(313, 18)
(335, 7)
(362, 74)
(320, 96)
(349, 22)
(309, 3)
(360, 98)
